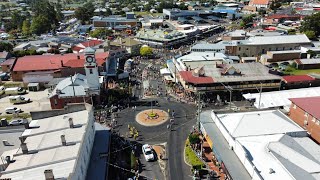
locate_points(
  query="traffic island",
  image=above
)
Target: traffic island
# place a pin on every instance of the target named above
(152, 117)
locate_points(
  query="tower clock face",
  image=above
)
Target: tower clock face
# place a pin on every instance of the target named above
(89, 59)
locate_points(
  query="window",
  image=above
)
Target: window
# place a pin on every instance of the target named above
(91, 72)
(317, 122)
(239, 48)
(306, 114)
(313, 119)
(55, 102)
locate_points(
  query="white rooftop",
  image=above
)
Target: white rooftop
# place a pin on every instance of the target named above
(281, 98)
(285, 39)
(257, 123)
(45, 141)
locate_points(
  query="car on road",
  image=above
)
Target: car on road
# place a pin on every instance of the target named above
(12, 110)
(148, 152)
(16, 122)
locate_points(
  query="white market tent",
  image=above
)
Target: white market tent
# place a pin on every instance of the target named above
(281, 98)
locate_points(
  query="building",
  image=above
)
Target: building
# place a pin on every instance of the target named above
(280, 18)
(259, 3)
(300, 81)
(129, 44)
(4, 56)
(268, 144)
(236, 35)
(305, 112)
(308, 63)
(152, 23)
(159, 38)
(258, 45)
(203, 47)
(114, 22)
(215, 76)
(174, 14)
(91, 43)
(57, 145)
(78, 88)
(6, 66)
(43, 68)
(280, 99)
(278, 56)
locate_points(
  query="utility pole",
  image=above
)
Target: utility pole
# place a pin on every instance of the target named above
(228, 88)
(260, 94)
(199, 111)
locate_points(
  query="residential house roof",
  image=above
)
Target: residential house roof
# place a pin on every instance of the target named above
(308, 104)
(8, 62)
(308, 61)
(4, 55)
(297, 78)
(53, 62)
(259, 2)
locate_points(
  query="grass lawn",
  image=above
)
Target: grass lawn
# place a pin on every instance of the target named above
(302, 72)
(192, 158)
(9, 117)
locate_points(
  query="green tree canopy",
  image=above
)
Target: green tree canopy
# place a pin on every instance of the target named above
(100, 33)
(85, 12)
(26, 27)
(247, 21)
(40, 24)
(146, 51)
(310, 34)
(5, 46)
(311, 23)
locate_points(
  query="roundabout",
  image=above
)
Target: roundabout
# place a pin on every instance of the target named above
(152, 117)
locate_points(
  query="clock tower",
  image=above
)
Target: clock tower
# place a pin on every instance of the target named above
(91, 69)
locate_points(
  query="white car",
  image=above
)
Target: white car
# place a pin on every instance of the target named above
(12, 110)
(148, 152)
(16, 122)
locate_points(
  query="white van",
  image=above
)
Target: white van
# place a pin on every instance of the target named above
(14, 91)
(18, 99)
(2, 89)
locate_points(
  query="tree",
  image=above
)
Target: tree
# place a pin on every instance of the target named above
(100, 33)
(39, 25)
(247, 21)
(146, 51)
(291, 32)
(5, 46)
(310, 34)
(194, 138)
(85, 12)
(312, 53)
(26, 27)
(275, 5)
(311, 23)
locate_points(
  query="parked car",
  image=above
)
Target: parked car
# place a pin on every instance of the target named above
(148, 152)
(11, 110)
(15, 90)
(18, 99)
(16, 122)
(4, 76)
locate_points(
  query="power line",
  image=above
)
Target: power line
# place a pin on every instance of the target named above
(116, 166)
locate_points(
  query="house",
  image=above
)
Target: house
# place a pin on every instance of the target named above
(44, 68)
(259, 3)
(299, 81)
(305, 112)
(6, 66)
(279, 56)
(81, 46)
(4, 56)
(56, 144)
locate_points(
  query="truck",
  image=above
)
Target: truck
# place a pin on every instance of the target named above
(15, 91)
(18, 99)
(2, 89)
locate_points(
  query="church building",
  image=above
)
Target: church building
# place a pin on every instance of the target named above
(78, 88)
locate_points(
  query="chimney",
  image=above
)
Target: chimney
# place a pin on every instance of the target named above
(26, 125)
(78, 56)
(48, 174)
(70, 122)
(24, 148)
(63, 140)
(22, 139)
(62, 63)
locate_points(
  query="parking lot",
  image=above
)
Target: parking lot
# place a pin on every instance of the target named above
(39, 101)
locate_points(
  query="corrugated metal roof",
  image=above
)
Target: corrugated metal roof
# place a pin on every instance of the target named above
(309, 104)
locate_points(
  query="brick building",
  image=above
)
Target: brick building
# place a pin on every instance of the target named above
(299, 81)
(305, 112)
(308, 63)
(56, 65)
(278, 56)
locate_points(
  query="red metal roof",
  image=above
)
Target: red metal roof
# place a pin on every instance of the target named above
(257, 2)
(279, 16)
(188, 77)
(91, 43)
(309, 104)
(53, 62)
(8, 62)
(297, 78)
